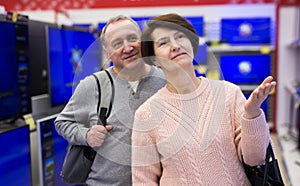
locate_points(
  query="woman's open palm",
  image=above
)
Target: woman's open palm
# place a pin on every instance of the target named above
(257, 97)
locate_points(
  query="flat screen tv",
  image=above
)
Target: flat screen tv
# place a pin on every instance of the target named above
(201, 57)
(15, 160)
(196, 21)
(38, 57)
(72, 55)
(198, 24)
(245, 69)
(52, 149)
(142, 21)
(246, 31)
(14, 77)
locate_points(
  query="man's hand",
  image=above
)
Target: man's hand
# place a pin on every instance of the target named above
(96, 135)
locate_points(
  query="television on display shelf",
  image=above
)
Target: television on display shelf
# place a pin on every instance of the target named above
(52, 149)
(245, 69)
(196, 21)
(142, 21)
(202, 56)
(38, 57)
(246, 31)
(14, 62)
(198, 24)
(15, 160)
(72, 56)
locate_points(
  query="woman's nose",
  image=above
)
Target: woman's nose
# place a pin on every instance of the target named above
(175, 45)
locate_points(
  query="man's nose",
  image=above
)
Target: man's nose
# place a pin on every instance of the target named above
(127, 47)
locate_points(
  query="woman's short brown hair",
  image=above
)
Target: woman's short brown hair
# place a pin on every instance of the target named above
(171, 21)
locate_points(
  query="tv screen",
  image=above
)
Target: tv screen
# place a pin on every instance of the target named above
(246, 31)
(141, 21)
(198, 24)
(201, 57)
(15, 156)
(38, 60)
(14, 84)
(72, 55)
(101, 25)
(52, 149)
(196, 21)
(245, 69)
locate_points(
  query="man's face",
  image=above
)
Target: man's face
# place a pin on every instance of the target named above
(122, 44)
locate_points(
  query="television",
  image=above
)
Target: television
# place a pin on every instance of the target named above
(72, 55)
(14, 85)
(52, 149)
(38, 57)
(142, 21)
(198, 24)
(201, 57)
(196, 21)
(245, 69)
(246, 31)
(101, 25)
(15, 160)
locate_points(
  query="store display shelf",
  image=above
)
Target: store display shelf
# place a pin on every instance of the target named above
(242, 48)
(296, 43)
(247, 87)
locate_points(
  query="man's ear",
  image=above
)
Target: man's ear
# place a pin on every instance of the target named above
(106, 54)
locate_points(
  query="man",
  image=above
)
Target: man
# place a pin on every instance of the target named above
(134, 83)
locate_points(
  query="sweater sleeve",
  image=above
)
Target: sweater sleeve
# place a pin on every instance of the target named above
(146, 167)
(251, 135)
(79, 114)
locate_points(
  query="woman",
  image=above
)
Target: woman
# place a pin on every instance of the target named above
(194, 131)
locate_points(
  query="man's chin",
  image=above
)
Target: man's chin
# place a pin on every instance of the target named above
(133, 63)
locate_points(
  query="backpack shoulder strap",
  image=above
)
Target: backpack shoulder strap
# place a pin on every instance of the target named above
(106, 89)
(99, 91)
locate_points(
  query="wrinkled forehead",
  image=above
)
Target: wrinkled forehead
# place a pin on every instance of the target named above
(121, 29)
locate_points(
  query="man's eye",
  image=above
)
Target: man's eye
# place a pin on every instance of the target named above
(117, 44)
(132, 39)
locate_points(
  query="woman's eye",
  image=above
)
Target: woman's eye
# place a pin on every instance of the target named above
(180, 36)
(162, 43)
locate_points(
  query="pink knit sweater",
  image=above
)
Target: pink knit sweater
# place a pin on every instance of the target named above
(196, 138)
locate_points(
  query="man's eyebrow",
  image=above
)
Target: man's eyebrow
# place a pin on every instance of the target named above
(115, 40)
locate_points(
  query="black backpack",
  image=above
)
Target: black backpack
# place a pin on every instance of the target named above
(79, 159)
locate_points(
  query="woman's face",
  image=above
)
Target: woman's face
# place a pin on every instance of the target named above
(172, 45)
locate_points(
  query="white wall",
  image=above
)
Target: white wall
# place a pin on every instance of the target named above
(211, 13)
(288, 60)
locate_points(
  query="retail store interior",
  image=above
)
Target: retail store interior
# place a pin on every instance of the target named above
(43, 44)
